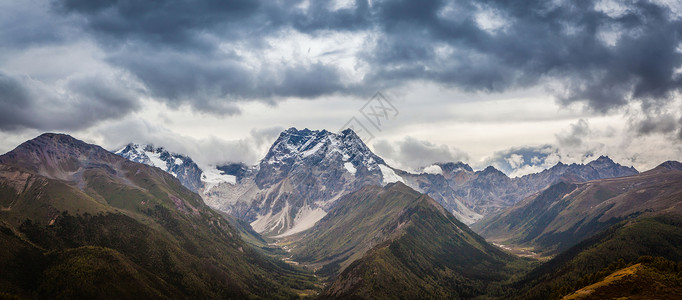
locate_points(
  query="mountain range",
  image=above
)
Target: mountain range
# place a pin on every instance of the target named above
(322, 216)
(566, 213)
(276, 195)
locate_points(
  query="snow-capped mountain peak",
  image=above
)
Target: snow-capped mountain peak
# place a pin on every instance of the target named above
(136, 153)
(178, 165)
(147, 154)
(294, 146)
(304, 172)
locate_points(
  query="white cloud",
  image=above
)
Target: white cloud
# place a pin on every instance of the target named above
(412, 154)
(433, 169)
(515, 160)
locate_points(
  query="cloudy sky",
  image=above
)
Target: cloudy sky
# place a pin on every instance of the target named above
(517, 84)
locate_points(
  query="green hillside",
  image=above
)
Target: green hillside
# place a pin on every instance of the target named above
(393, 242)
(647, 278)
(359, 222)
(659, 236)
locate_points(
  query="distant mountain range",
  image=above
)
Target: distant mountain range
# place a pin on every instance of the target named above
(566, 213)
(306, 171)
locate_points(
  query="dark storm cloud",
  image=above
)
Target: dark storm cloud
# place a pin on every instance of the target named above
(308, 81)
(207, 84)
(537, 40)
(187, 78)
(29, 104)
(657, 121)
(17, 32)
(318, 17)
(184, 51)
(174, 48)
(661, 124)
(163, 22)
(178, 22)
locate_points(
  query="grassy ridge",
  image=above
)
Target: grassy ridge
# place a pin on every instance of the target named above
(192, 271)
(358, 222)
(430, 255)
(646, 278)
(656, 236)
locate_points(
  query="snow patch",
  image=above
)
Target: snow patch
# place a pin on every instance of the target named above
(156, 160)
(178, 161)
(213, 177)
(121, 151)
(388, 175)
(349, 166)
(433, 169)
(312, 150)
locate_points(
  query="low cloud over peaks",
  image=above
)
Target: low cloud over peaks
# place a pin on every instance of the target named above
(414, 154)
(519, 161)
